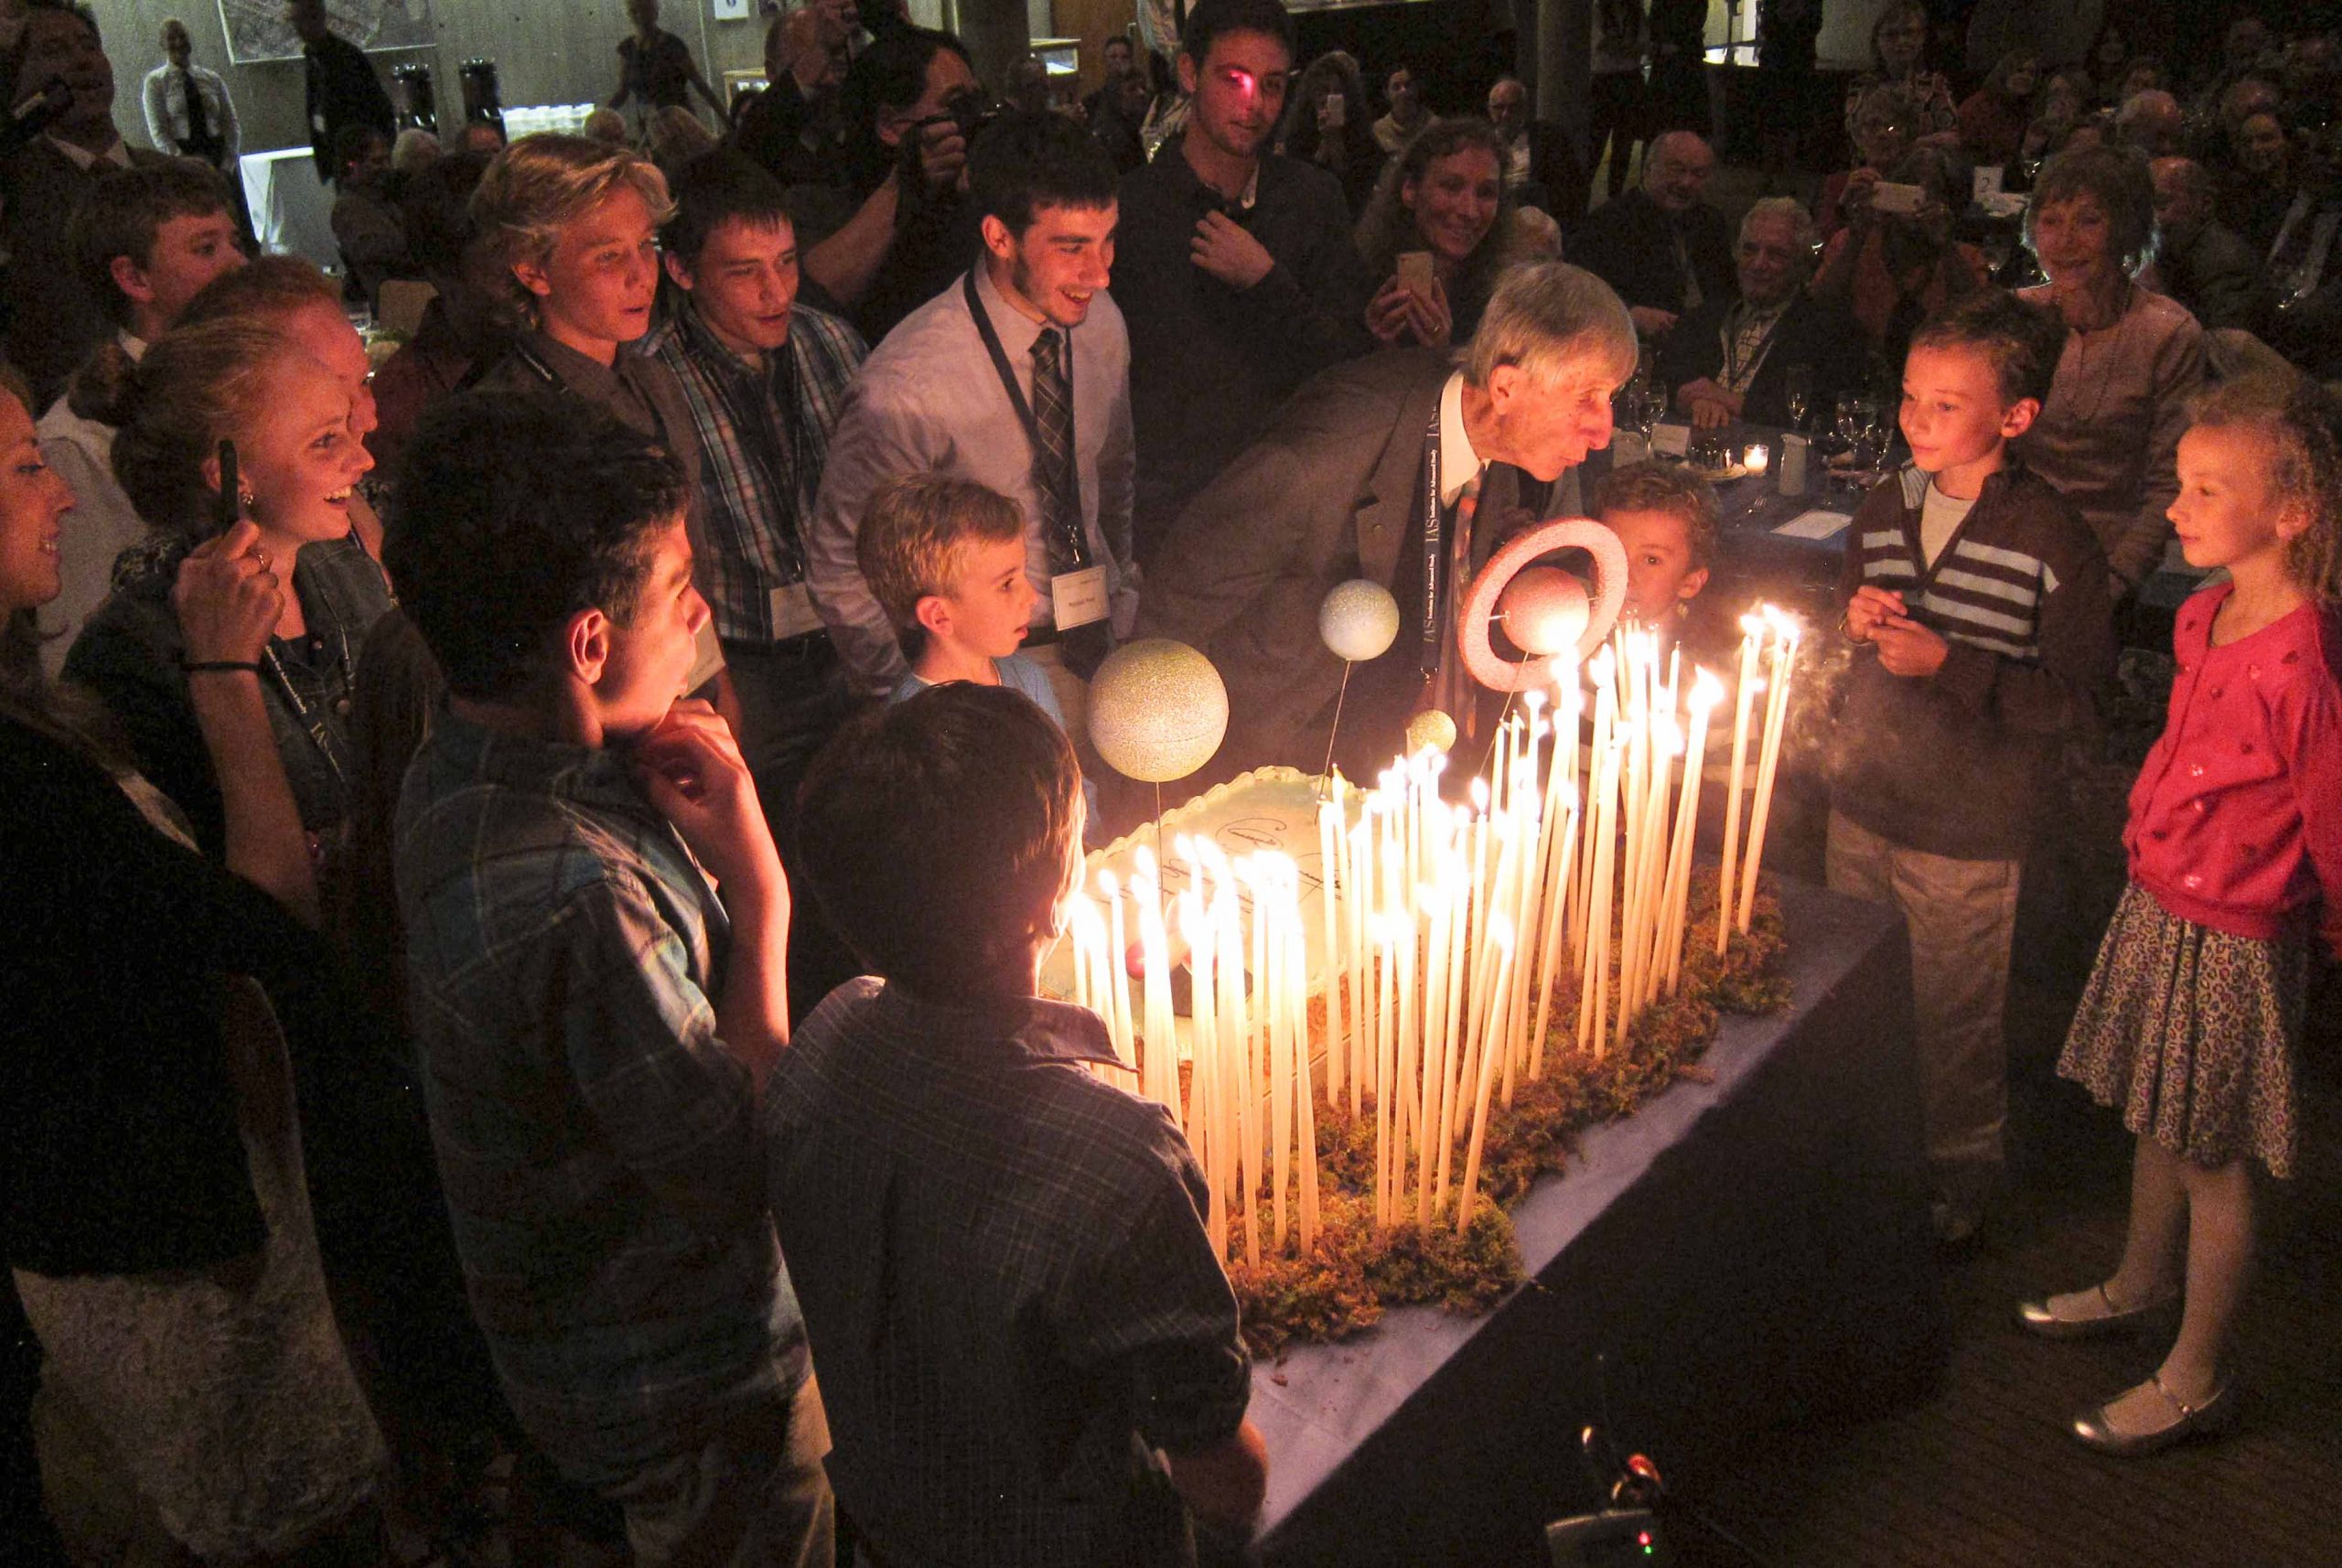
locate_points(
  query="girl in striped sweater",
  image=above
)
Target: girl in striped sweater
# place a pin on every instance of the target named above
(2193, 1017)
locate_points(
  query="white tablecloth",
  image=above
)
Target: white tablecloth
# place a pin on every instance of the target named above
(292, 207)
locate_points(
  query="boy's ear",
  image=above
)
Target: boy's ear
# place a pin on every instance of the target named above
(678, 270)
(586, 645)
(532, 278)
(2018, 417)
(1693, 581)
(933, 613)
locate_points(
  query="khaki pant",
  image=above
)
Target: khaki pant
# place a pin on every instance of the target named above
(1961, 914)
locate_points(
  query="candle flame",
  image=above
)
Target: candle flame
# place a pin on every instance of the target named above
(1752, 625)
(1110, 886)
(1534, 701)
(1666, 734)
(1480, 794)
(1144, 867)
(1706, 690)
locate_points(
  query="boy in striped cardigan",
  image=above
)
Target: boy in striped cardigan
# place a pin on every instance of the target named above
(1976, 597)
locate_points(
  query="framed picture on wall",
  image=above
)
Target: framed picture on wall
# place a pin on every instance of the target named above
(257, 29)
(730, 10)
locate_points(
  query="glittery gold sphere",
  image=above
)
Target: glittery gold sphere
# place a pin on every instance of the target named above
(1359, 620)
(1543, 610)
(1432, 729)
(1157, 709)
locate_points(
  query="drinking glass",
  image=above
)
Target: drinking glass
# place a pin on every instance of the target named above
(1797, 391)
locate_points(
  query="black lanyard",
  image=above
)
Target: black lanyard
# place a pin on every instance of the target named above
(313, 722)
(552, 378)
(1433, 551)
(1076, 546)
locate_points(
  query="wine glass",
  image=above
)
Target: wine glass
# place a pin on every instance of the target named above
(1797, 391)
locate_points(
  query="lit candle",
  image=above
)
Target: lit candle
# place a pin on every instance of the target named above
(1329, 834)
(1759, 459)
(1502, 936)
(1784, 638)
(1118, 981)
(1749, 628)
(1706, 692)
(1203, 1094)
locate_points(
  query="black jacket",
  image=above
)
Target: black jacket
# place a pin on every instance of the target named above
(2219, 277)
(1209, 363)
(1629, 245)
(1813, 333)
(342, 90)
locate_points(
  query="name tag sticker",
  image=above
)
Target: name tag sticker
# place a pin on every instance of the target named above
(792, 612)
(1670, 440)
(1079, 598)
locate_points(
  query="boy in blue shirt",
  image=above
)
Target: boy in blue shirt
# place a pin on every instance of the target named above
(945, 558)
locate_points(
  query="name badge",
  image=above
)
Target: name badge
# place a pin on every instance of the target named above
(1671, 440)
(1077, 598)
(792, 612)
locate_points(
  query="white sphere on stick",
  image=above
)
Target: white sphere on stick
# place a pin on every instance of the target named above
(1157, 709)
(1359, 620)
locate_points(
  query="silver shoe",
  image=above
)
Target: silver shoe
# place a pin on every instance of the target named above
(2213, 1415)
(2037, 1318)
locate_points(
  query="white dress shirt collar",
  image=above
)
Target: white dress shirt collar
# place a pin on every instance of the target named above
(1459, 463)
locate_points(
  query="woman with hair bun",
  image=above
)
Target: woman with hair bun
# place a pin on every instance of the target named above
(299, 459)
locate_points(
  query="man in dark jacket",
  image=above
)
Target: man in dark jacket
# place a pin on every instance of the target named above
(1732, 358)
(342, 87)
(1661, 246)
(2206, 265)
(1235, 269)
(1337, 488)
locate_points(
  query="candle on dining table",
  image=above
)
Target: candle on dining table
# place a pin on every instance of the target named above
(1758, 459)
(1118, 981)
(1305, 1094)
(1272, 911)
(1725, 870)
(1385, 1032)
(1502, 936)
(1706, 692)
(1776, 709)
(1328, 897)
(1203, 1078)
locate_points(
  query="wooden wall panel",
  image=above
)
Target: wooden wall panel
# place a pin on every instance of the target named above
(546, 51)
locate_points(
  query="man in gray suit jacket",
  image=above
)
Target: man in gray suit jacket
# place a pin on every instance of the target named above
(1339, 488)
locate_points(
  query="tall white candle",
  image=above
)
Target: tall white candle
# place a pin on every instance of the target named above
(1776, 709)
(1749, 626)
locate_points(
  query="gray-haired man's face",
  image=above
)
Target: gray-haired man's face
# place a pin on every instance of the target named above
(1772, 263)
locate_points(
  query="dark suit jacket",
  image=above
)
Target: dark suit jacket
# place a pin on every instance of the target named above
(1558, 175)
(2219, 277)
(1815, 333)
(1326, 494)
(52, 321)
(1628, 245)
(342, 90)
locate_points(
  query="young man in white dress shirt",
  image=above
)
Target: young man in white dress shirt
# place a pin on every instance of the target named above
(954, 391)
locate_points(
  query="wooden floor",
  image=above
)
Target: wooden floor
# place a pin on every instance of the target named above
(1985, 1475)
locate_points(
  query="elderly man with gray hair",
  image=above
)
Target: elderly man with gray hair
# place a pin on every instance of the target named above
(1406, 468)
(1735, 358)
